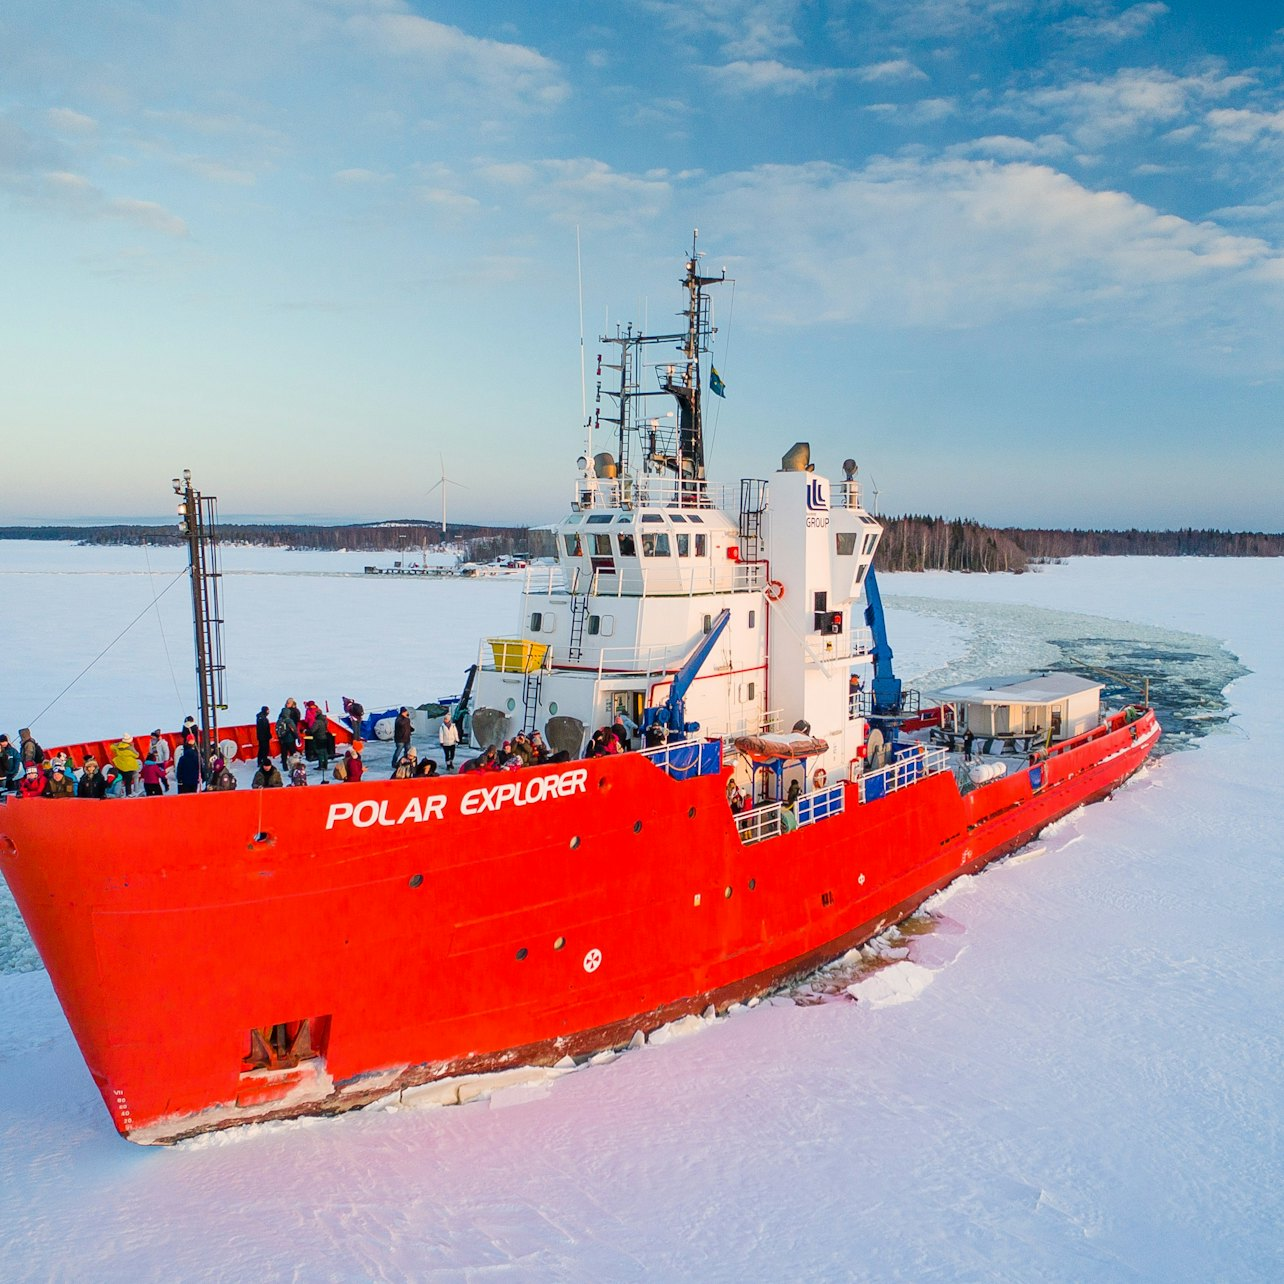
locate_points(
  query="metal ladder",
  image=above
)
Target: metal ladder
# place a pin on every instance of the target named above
(753, 494)
(531, 686)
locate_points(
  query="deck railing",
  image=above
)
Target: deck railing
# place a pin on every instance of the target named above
(765, 821)
(913, 763)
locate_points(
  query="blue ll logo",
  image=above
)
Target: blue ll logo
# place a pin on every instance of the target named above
(817, 500)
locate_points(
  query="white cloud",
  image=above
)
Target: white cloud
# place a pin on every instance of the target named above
(960, 243)
(895, 69)
(74, 194)
(509, 73)
(1239, 126)
(1006, 147)
(1128, 24)
(1097, 112)
(358, 177)
(63, 120)
(772, 77)
(746, 30)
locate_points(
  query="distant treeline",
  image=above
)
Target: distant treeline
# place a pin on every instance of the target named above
(916, 543)
(483, 542)
(910, 543)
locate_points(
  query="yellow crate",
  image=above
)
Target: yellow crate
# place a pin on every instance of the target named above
(517, 655)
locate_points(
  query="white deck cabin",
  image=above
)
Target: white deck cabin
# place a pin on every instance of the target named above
(1025, 705)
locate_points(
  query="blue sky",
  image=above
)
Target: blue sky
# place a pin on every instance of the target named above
(1024, 260)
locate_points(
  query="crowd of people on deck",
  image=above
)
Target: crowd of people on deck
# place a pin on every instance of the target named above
(301, 735)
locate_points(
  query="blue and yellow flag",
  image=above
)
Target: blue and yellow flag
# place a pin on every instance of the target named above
(716, 386)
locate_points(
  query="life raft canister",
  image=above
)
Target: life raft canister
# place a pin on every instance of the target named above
(774, 591)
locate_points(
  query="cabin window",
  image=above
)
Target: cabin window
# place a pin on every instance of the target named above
(574, 545)
(860, 574)
(753, 619)
(655, 544)
(845, 542)
(694, 517)
(820, 607)
(701, 544)
(628, 545)
(652, 517)
(602, 545)
(594, 624)
(684, 544)
(708, 623)
(537, 621)
(599, 518)
(870, 540)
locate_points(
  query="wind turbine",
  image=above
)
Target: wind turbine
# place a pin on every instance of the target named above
(443, 483)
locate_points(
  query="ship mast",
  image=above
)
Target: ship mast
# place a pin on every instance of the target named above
(679, 451)
(199, 525)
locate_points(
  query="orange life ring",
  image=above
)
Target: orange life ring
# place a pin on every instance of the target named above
(820, 777)
(774, 591)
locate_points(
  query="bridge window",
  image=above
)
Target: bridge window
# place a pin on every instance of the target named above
(846, 542)
(684, 544)
(574, 545)
(701, 544)
(602, 545)
(655, 544)
(628, 545)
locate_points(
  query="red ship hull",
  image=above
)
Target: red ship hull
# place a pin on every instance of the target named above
(392, 933)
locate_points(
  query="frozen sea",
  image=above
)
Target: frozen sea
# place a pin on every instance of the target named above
(1071, 1073)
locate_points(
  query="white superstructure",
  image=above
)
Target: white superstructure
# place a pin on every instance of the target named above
(649, 559)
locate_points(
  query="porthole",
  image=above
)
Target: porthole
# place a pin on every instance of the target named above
(416, 880)
(263, 837)
(559, 943)
(753, 882)
(512, 704)
(521, 954)
(690, 813)
(726, 892)
(552, 709)
(575, 842)
(637, 826)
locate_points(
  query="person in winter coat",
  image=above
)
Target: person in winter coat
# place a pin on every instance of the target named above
(221, 777)
(159, 749)
(59, 784)
(113, 785)
(287, 731)
(353, 767)
(402, 730)
(322, 740)
(298, 770)
(448, 734)
(155, 781)
(91, 783)
(187, 771)
(408, 766)
(10, 767)
(29, 750)
(124, 757)
(33, 782)
(267, 776)
(263, 730)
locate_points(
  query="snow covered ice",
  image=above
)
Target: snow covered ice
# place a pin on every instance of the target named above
(1075, 1076)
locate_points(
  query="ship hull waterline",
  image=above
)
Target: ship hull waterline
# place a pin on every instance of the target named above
(435, 928)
